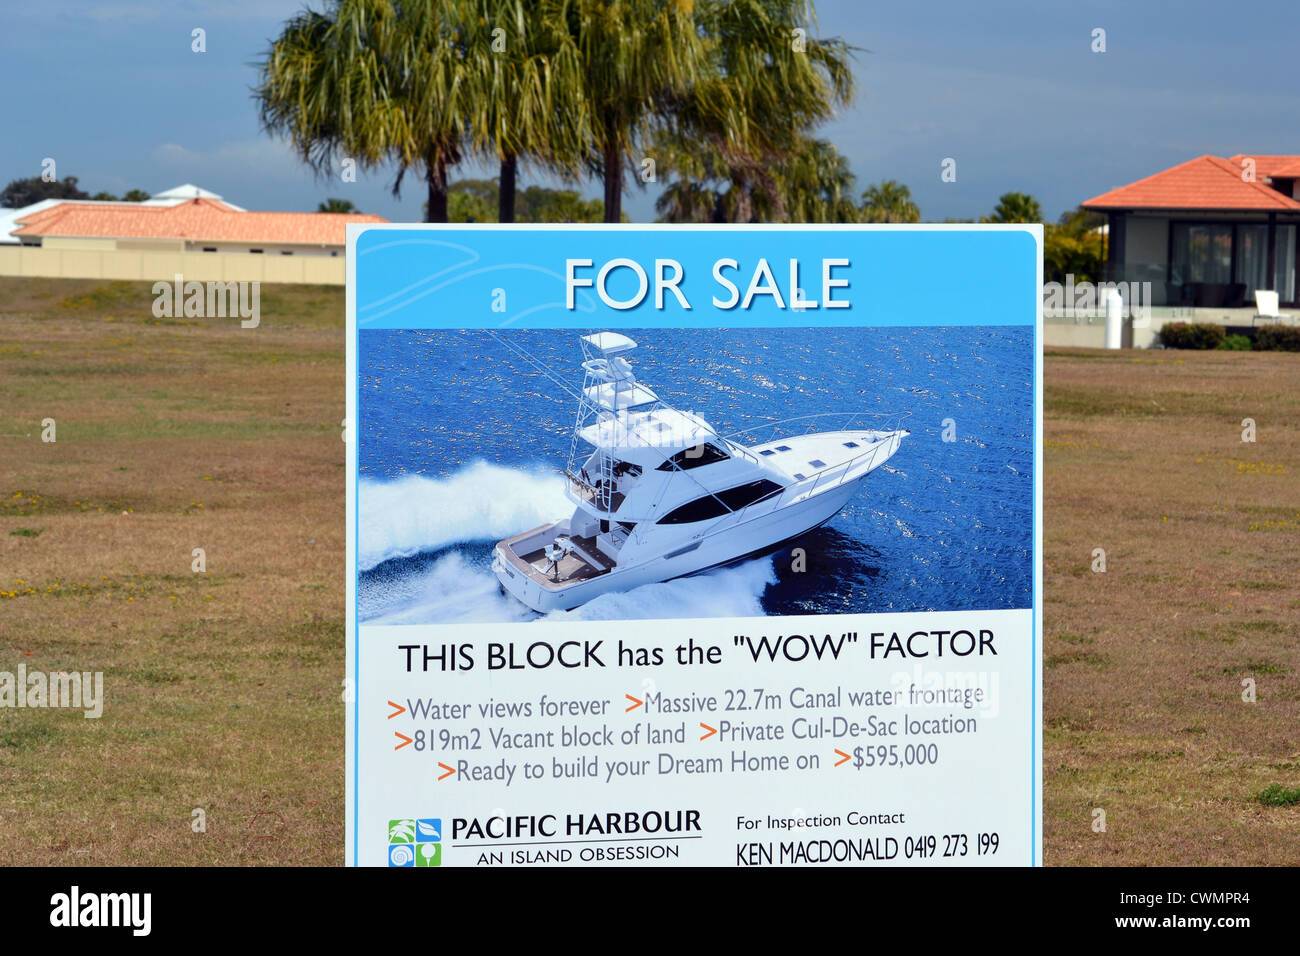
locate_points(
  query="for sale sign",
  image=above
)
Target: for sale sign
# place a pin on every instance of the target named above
(694, 546)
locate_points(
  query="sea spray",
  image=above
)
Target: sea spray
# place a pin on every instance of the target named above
(735, 591)
(477, 503)
(458, 587)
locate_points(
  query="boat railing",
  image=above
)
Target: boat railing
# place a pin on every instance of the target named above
(766, 432)
(583, 490)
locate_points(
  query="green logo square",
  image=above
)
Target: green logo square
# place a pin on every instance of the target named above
(428, 854)
(401, 831)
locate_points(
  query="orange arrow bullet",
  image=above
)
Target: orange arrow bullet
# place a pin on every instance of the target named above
(450, 770)
(843, 756)
(405, 740)
(711, 730)
(400, 710)
(635, 703)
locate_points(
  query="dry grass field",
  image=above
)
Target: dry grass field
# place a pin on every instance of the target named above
(1145, 663)
(224, 687)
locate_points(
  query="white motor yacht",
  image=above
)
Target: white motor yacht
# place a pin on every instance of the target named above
(658, 493)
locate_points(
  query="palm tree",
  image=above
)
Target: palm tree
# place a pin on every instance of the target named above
(635, 56)
(699, 184)
(764, 84)
(889, 201)
(336, 206)
(817, 184)
(1017, 207)
(372, 81)
(526, 83)
(811, 182)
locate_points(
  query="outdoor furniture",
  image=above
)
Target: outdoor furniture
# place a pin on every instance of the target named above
(1266, 303)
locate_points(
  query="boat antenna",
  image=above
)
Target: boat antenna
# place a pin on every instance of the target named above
(536, 364)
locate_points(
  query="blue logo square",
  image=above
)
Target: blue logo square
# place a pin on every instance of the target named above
(428, 830)
(401, 854)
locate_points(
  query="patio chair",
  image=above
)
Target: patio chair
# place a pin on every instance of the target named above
(1266, 303)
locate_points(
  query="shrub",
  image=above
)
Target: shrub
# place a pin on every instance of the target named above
(1236, 343)
(1277, 795)
(1278, 338)
(1191, 335)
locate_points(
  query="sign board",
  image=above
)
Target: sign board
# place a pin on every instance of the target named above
(694, 545)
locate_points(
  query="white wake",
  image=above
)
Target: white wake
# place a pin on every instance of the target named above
(478, 503)
(485, 503)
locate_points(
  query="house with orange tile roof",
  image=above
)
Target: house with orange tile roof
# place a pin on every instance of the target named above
(186, 230)
(1209, 232)
(198, 225)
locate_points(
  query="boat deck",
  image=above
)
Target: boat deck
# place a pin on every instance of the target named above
(583, 563)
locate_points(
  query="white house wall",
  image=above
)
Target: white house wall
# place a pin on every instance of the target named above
(67, 263)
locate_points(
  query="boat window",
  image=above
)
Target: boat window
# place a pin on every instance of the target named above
(817, 463)
(694, 457)
(798, 476)
(850, 444)
(782, 447)
(767, 451)
(714, 506)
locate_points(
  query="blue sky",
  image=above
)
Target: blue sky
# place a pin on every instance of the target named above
(1010, 89)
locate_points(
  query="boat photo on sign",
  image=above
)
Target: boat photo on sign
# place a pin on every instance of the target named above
(510, 474)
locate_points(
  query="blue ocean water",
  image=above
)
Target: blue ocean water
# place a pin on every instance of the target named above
(462, 442)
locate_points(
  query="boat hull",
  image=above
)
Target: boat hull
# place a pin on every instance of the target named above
(726, 546)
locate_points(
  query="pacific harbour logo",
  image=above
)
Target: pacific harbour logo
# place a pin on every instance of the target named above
(415, 841)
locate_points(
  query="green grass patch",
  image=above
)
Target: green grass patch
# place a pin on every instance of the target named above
(154, 674)
(26, 532)
(119, 296)
(1077, 657)
(25, 734)
(1256, 667)
(1259, 627)
(24, 502)
(112, 367)
(1158, 755)
(1069, 637)
(1277, 795)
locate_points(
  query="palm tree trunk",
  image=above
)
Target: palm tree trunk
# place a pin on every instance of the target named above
(436, 176)
(506, 189)
(613, 180)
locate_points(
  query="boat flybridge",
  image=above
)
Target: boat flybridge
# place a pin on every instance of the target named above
(658, 493)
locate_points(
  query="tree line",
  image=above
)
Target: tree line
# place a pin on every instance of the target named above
(721, 97)
(33, 189)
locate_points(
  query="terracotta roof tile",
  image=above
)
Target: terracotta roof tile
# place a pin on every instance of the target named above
(1291, 171)
(200, 220)
(1207, 182)
(1267, 167)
